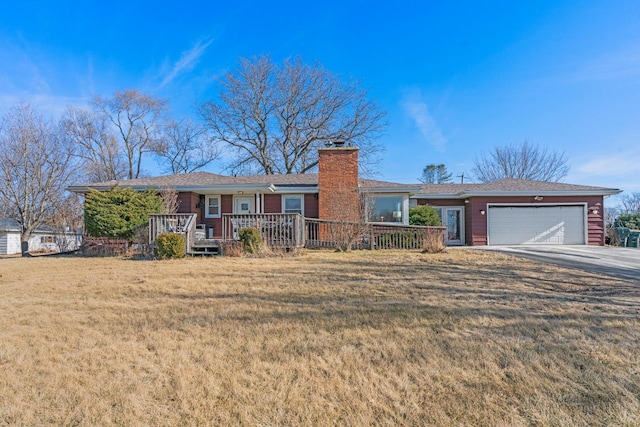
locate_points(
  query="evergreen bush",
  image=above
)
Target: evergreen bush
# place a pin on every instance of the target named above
(117, 213)
(424, 215)
(631, 221)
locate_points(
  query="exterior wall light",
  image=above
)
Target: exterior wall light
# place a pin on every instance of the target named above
(482, 212)
(538, 198)
(594, 211)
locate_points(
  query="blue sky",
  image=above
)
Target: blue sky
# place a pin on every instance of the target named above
(456, 78)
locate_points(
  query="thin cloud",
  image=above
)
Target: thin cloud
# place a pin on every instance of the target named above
(609, 169)
(187, 61)
(20, 69)
(617, 65)
(418, 111)
(611, 164)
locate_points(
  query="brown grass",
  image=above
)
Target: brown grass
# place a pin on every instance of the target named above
(361, 338)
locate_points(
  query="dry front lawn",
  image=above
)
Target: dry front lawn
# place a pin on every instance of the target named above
(363, 338)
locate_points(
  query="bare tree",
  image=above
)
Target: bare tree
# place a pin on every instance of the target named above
(630, 203)
(65, 221)
(274, 117)
(185, 147)
(435, 174)
(137, 119)
(97, 146)
(351, 224)
(35, 167)
(170, 200)
(521, 161)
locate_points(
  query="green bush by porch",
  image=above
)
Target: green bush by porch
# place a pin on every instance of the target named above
(117, 213)
(250, 238)
(171, 245)
(424, 215)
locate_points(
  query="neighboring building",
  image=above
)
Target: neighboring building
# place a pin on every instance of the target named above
(507, 211)
(43, 239)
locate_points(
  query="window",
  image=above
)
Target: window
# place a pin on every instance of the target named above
(293, 204)
(387, 209)
(212, 207)
(46, 239)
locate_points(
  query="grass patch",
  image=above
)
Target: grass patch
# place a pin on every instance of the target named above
(359, 338)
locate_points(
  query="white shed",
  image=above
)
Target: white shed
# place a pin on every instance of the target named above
(43, 239)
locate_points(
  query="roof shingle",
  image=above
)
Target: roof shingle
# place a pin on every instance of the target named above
(204, 179)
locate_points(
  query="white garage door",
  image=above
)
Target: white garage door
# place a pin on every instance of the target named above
(530, 225)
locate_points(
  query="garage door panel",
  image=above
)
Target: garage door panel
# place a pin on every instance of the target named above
(514, 225)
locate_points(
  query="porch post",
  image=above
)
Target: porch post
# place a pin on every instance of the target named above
(258, 202)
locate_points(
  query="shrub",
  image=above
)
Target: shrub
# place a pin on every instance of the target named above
(171, 245)
(433, 242)
(232, 248)
(424, 215)
(631, 221)
(119, 212)
(250, 238)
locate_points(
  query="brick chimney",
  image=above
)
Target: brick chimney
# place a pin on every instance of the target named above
(338, 184)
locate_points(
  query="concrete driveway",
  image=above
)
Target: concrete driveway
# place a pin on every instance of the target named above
(623, 263)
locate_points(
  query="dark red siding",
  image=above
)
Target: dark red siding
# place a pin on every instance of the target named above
(272, 203)
(311, 205)
(187, 203)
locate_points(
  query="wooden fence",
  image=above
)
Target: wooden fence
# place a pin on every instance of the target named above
(104, 246)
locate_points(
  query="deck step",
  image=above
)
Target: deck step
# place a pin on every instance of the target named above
(206, 247)
(205, 251)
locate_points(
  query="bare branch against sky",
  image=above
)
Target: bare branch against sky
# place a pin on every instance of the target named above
(275, 116)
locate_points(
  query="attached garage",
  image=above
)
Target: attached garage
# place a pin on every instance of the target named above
(537, 224)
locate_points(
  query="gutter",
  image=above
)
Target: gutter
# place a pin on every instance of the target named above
(203, 189)
(522, 193)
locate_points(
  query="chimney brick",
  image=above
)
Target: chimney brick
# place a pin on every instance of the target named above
(338, 184)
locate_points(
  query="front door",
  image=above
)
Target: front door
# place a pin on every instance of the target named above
(244, 205)
(453, 222)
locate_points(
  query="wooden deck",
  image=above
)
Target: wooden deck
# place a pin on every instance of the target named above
(290, 231)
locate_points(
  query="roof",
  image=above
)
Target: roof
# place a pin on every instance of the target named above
(10, 224)
(511, 186)
(205, 181)
(288, 183)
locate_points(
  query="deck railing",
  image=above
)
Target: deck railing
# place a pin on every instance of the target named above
(277, 230)
(391, 236)
(340, 234)
(184, 224)
(295, 231)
